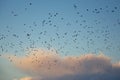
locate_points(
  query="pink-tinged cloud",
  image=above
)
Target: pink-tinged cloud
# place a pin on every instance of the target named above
(48, 65)
(26, 78)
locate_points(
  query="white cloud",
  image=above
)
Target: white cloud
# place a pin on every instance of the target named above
(51, 66)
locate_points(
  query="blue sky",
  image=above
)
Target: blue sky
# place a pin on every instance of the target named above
(71, 27)
(18, 16)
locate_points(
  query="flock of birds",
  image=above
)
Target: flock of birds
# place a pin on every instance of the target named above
(83, 34)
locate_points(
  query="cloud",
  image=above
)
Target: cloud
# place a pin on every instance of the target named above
(26, 78)
(48, 65)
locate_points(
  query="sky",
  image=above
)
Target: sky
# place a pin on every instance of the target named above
(85, 31)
